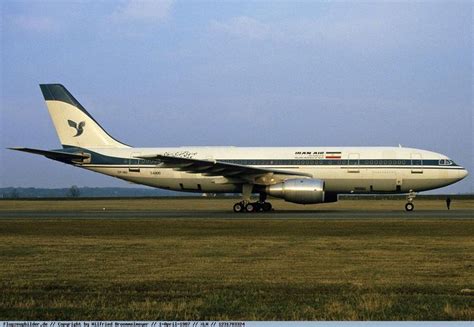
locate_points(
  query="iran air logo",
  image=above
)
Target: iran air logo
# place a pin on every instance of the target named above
(78, 127)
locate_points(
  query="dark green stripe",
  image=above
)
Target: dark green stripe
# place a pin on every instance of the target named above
(335, 162)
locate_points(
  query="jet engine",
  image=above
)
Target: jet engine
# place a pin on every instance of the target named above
(303, 191)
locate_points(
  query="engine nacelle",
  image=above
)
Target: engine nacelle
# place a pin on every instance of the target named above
(303, 191)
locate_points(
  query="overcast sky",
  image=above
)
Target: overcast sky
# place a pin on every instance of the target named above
(238, 73)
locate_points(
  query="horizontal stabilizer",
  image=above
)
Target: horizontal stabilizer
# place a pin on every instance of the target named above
(55, 155)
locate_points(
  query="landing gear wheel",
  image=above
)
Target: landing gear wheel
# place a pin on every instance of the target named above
(238, 207)
(250, 207)
(409, 206)
(267, 206)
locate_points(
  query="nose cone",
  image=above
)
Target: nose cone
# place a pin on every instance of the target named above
(463, 173)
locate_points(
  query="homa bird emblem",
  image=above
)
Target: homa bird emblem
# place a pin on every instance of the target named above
(79, 128)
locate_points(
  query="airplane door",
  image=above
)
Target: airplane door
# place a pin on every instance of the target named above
(353, 163)
(416, 163)
(133, 162)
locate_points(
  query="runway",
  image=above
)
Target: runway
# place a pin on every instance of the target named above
(215, 214)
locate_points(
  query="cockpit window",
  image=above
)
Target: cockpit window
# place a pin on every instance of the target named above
(446, 162)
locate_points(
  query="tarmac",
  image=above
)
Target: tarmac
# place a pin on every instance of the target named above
(215, 214)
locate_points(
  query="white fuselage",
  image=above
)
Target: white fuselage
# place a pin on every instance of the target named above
(343, 169)
(304, 175)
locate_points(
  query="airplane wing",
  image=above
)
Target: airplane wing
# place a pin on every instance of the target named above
(55, 155)
(217, 168)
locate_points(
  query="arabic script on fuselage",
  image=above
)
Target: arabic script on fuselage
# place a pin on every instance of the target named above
(181, 154)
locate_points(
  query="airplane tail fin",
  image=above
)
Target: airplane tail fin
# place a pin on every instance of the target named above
(74, 125)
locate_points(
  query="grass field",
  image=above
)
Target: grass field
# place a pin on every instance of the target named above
(258, 269)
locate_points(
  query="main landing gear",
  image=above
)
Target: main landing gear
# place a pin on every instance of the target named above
(246, 206)
(409, 206)
(252, 206)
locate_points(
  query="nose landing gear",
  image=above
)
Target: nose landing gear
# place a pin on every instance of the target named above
(409, 206)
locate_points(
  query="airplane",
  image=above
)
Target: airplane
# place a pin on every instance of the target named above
(304, 175)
